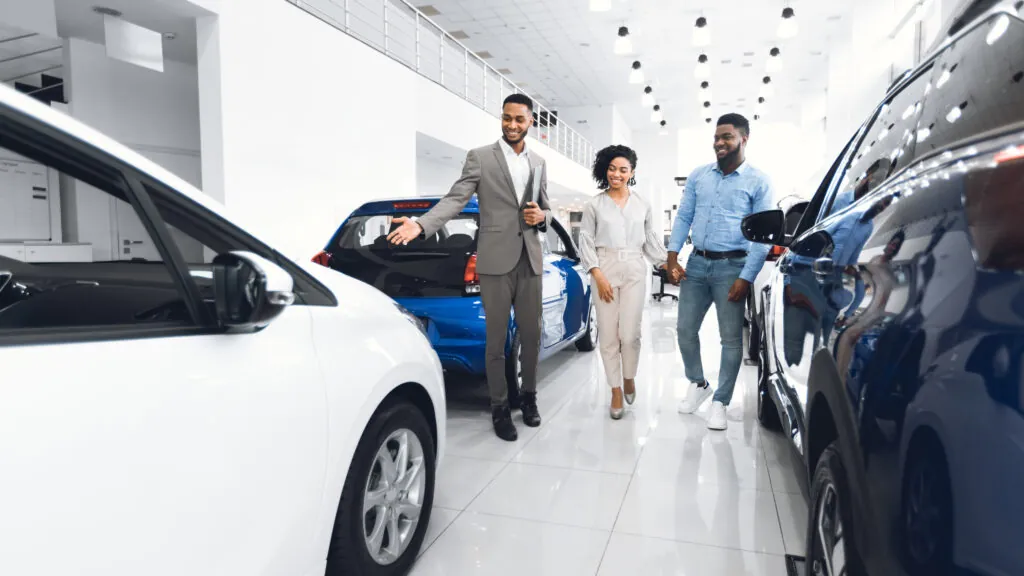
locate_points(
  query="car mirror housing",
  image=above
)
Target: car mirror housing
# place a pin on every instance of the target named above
(768, 227)
(250, 291)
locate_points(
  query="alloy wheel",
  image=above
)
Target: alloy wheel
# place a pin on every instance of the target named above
(393, 497)
(593, 325)
(923, 516)
(829, 557)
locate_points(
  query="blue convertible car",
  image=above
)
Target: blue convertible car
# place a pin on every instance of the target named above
(436, 280)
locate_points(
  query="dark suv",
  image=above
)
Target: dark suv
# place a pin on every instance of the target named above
(892, 329)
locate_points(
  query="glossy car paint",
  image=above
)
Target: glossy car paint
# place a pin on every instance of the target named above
(202, 454)
(904, 345)
(456, 325)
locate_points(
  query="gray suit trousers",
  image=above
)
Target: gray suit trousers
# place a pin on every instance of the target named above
(520, 290)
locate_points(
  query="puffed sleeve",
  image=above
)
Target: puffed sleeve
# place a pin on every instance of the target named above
(654, 247)
(588, 235)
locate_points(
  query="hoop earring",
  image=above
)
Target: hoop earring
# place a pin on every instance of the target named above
(632, 181)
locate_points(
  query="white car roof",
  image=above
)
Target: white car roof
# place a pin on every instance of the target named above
(11, 98)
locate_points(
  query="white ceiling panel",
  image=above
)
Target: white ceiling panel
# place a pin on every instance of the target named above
(564, 50)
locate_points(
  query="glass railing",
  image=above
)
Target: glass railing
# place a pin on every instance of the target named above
(400, 31)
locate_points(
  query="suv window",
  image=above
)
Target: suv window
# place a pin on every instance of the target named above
(887, 145)
(978, 85)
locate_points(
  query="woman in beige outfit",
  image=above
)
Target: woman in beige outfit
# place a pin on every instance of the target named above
(616, 233)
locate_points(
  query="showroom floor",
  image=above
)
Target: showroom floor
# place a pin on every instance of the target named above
(655, 493)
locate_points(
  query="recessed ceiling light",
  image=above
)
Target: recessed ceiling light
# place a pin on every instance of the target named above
(107, 11)
(170, 35)
(585, 44)
(749, 53)
(727, 61)
(747, 65)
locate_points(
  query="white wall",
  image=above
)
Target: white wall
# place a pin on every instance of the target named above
(435, 177)
(39, 16)
(295, 158)
(155, 113)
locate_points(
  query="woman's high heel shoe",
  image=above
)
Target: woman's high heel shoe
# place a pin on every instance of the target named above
(616, 413)
(630, 396)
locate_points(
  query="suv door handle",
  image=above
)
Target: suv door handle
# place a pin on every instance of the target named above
(823, 267)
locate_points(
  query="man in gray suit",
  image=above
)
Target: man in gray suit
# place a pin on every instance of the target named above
(511, 187)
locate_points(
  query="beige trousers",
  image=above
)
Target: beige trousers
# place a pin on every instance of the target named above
(618, 321)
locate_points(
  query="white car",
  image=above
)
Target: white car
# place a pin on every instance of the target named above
(208, 407)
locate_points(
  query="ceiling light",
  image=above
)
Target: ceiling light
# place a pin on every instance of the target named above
(767, 90)
(757, 116)
(623, 45)
(705, 91)
(774, 61)
(637, 75)
(788, 27)
(600, 5)
(107, 11)
(707, 104)
(708, 120)
(701, 32)
(664, 130)
(998, 29)
(703, 69)
(656, 116)
(648, 99)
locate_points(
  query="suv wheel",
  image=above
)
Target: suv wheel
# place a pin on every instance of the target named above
(388, 495)
(830, 551)
(514, 372)
(927, 513)
(767, 411)
(588, 341)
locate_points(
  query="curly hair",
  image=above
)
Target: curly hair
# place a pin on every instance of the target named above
(604, 159)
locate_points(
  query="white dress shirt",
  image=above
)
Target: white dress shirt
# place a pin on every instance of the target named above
(519, 167)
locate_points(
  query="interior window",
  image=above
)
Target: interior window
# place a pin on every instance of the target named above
(74, 250)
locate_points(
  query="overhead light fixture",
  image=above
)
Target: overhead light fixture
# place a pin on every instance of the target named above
(788, 27)
(774, 61)
(656, 115)
(701, 32)
(623, 45)
(757, 116)
(705, 91)
(1000, 27)
(708, 120)
(600, 5)
(664, 130)
(648, 99)
(703, 69)
(707, 104)
(637, 75)
(767, 90)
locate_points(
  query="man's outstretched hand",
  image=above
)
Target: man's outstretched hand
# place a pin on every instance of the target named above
(407, 232)
(533, 214)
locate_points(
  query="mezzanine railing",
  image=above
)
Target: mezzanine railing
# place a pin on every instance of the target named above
(400, 31)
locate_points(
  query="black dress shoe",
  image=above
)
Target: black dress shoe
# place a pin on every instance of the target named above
(528, 404)
(503, 426)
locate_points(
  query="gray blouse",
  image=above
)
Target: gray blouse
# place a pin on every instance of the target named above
(631, 227)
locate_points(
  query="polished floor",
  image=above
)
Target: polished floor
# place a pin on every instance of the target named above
(655, 493)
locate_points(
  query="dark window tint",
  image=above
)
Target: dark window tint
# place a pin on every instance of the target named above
(82, 255)
(977, 85)
(887, 146)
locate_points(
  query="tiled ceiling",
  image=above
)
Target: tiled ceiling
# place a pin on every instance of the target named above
(563, 54)
(24, 54)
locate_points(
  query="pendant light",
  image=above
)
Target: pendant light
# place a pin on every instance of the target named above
(623, 45)
(705, 91)
(664, 130)
(701, 33)
(767, 90)
(637, 75)
(774, 61)
(788, 27)
(648, 99)
(703, 69)
(656, 115)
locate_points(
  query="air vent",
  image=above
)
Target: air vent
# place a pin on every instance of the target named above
(429, 10)
(727, 61)
(747, 65)
(485, 55)
(749, 54)
(459, 35)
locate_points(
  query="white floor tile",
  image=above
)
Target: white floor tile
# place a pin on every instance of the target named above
(638, 555)
(556, 495)
(471, 435)
(460, 480)
(485, 545)
(440, 520)
(704, 459)
(599, 446)
(793, 518)
(709, 514)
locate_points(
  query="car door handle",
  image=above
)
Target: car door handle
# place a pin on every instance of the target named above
(823, 267)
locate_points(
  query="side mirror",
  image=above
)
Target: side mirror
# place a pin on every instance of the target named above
(817, 245)
(768, 227)
(250, 291)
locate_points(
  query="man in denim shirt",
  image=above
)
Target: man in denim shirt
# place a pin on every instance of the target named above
(723, 263)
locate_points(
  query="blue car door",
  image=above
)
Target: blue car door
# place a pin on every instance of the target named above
(554, 301)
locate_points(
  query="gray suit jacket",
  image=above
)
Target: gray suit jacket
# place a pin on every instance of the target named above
(502, 227)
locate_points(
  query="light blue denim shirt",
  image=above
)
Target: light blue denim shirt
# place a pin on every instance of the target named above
(713, 207)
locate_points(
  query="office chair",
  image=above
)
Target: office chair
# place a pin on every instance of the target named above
(663, 275)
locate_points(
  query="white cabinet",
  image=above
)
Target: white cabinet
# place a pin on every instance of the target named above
(24, 201)
(13, 251)
(47, 252)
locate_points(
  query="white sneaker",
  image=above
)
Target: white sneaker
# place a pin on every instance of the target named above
(717, 419)
(697, 397)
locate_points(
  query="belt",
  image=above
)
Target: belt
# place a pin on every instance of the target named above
(622, 255)
(720, 255)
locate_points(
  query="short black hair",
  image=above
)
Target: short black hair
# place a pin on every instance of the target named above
(518, 99)
(604, 159)
(736, 120)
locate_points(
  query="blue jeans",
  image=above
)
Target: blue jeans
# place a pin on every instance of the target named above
(709, 281)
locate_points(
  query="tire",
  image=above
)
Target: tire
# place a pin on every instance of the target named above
(349, 553)
(588, 342)
(926, 513)
(767, 411)
(513, 372)
(830, 501)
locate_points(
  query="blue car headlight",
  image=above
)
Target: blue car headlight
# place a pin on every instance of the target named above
(412, 318)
